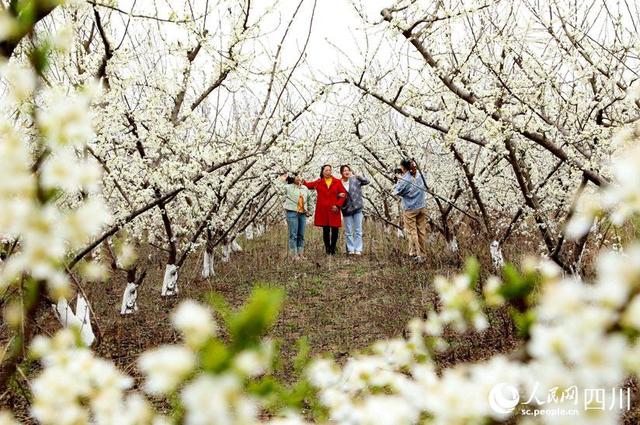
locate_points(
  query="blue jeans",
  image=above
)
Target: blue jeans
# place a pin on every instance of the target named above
(296, 222)
(353, 231)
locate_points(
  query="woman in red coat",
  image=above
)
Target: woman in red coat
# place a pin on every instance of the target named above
(331, 196)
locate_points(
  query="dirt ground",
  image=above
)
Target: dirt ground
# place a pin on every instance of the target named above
(340, 304)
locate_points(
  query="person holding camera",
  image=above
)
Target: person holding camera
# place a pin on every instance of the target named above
(297, 206)
(331, 197)
(410, 186)
(352, 209)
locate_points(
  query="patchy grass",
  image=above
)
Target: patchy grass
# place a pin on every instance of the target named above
(340, 304)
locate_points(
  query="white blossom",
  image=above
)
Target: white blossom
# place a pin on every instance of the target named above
(217, 400)
(195, 322)
(166, 367)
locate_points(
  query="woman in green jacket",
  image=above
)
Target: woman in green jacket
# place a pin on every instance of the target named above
(297, 206)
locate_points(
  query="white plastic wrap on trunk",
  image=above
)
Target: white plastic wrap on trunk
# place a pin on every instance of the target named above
(64, 313)
(129, 299)
(453, 245)
(496, 255)
(235, 246)
(81, 319)
(82, 313)
(226, 253)
(170, 282)
(207, 265)
(248, 232)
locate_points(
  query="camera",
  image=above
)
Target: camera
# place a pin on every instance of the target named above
(396, 172)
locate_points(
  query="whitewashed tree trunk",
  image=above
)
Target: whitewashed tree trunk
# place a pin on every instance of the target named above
(83, 314)
(453, 245)
(207, 265)
(80, 320)
(496, 255)
(170, 282)
(63, 312)
(226, 253)
(235, 246)
(129, 299)
(248, 232)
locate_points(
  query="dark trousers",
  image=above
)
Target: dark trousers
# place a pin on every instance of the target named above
(330, 237)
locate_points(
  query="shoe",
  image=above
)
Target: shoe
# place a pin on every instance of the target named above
(358, 253)
(350, 252)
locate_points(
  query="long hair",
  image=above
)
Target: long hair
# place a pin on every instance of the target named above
(322, 169)
(409, 165)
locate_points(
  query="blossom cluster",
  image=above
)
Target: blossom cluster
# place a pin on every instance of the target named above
(50, 197)
(99, 393)
(51, 203)
(620, 201)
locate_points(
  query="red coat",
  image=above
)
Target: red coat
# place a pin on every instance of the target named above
(327, 198)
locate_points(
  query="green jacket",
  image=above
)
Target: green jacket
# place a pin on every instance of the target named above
(291, 193)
